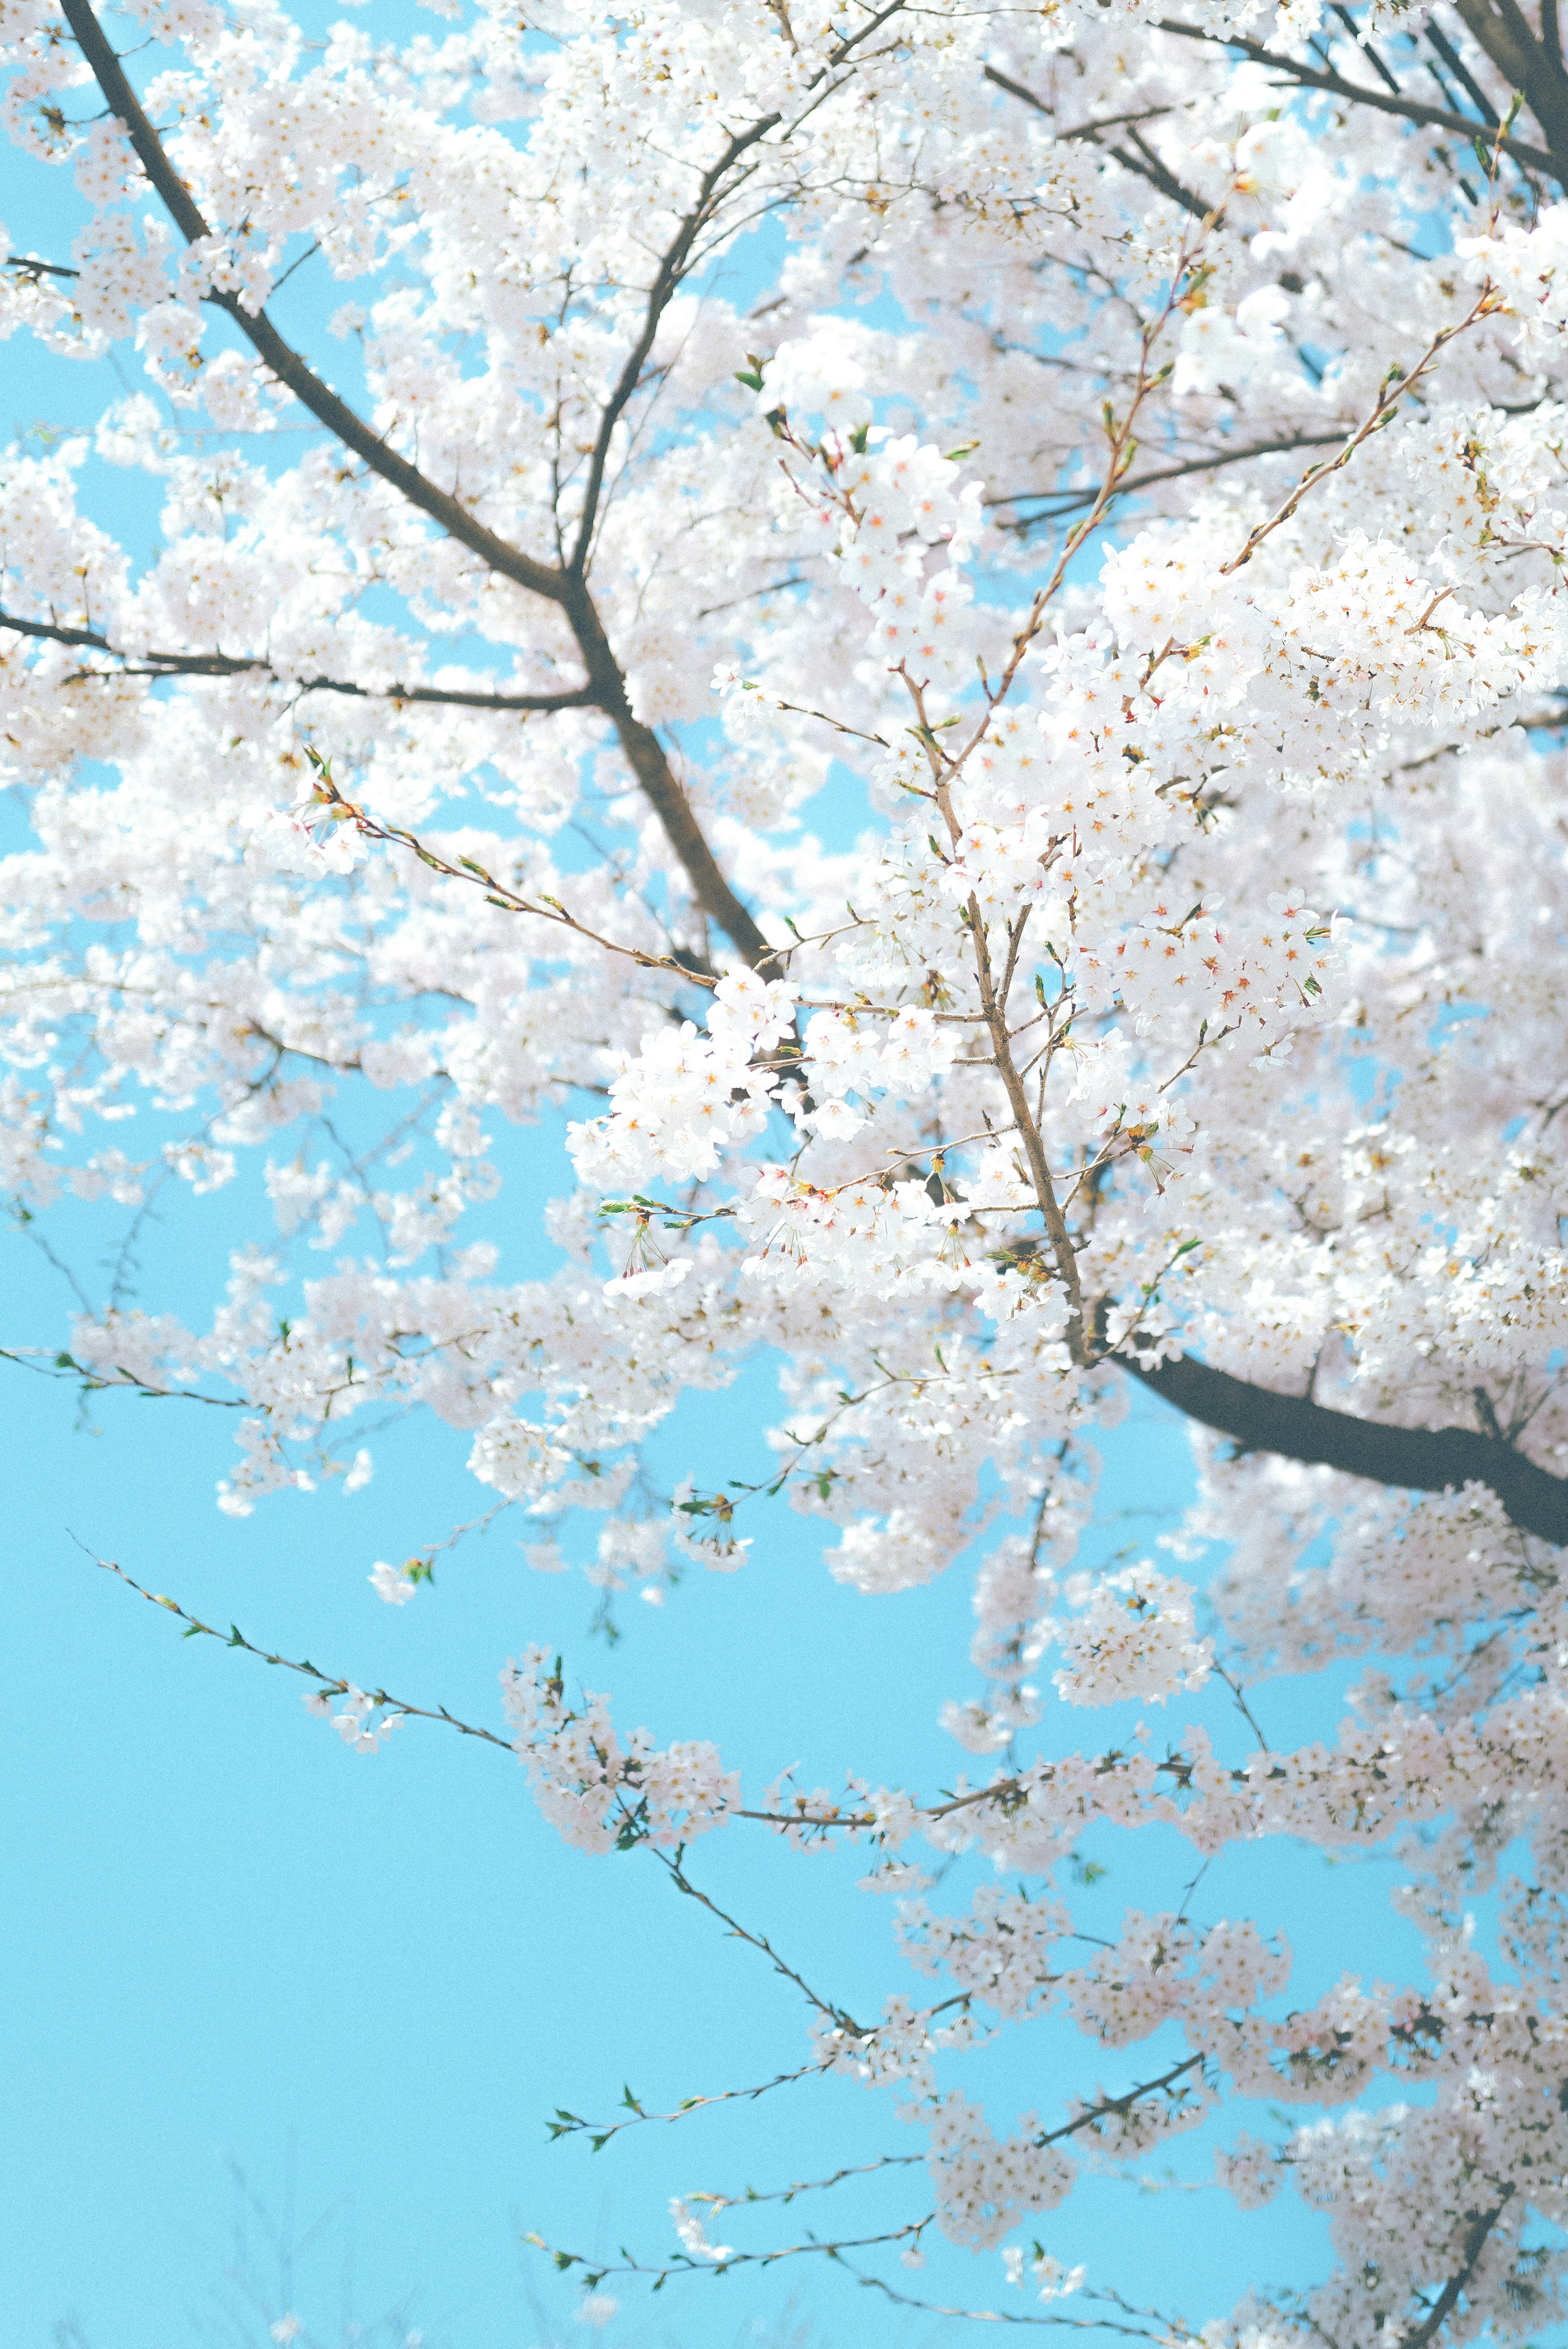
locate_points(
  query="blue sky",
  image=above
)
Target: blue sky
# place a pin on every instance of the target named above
(231, 1941)
(365, 1984)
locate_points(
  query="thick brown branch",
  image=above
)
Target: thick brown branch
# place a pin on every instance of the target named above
(31, 266)
(645, 755)
(1436, 118)
(1501, 32)
(1550, 35)
(565, 588)
(1480, 2227)
(1423, 1459)
(286, 365)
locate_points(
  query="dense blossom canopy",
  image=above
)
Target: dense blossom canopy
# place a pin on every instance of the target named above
(1137, 485)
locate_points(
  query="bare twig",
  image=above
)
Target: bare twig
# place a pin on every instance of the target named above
(600, 2132)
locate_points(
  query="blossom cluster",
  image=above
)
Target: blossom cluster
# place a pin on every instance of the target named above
(1004, 800)
(596, 1790)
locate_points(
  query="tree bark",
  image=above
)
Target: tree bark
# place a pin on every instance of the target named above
(1424, 1460)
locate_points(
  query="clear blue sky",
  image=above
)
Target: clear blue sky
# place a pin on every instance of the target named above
(366, 1984)
(226, 1936)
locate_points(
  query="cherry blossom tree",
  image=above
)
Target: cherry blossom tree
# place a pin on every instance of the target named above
(1141, 487)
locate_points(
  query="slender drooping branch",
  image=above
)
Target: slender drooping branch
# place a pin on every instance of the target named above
(468, 872)
(1420, 1459)
(600, 2132)
(328, 1683)
(1171, 2332)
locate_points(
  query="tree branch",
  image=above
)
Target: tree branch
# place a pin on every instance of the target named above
(1499, 29)
(1149, 168)
(1064, 501)
(1436, 118)
(563, 588)
(645, 755)
(31, 266)
(286, 365)
(1426, 1460)
(1481, 2224)
(671, 268)
(1171, 2329)
(157, 664)
(1461, 73)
